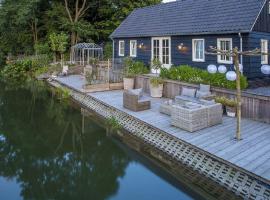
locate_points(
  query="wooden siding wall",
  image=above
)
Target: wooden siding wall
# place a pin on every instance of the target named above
(254, 41)
(185, 57)
(254, 107)
(263, 21)
(252, 65)
(143, 54)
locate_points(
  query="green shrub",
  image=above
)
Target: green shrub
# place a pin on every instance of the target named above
(226, 101)
(189, 74)
(133, 68)
(19, 70)
(42, 48)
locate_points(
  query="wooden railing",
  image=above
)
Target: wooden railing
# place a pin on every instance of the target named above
(255, 107)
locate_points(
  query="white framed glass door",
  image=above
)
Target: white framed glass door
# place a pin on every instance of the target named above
(161, 50)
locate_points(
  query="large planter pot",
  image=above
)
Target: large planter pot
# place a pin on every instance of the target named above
(156, 91)
(129, 83)
(231, 111)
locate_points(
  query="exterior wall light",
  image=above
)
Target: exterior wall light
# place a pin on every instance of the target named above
(180, 47)
(141, 46)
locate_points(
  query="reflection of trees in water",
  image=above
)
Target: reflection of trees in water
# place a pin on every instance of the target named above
(45, 150)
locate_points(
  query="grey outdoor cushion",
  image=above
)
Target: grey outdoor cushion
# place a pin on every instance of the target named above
(143, 99)
(137, 92)
(200, 94)
(204, 88)
(188, 92)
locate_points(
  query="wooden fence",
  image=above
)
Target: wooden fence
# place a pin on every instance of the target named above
(255, 107)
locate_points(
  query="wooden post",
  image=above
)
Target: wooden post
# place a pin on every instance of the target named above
(109, 71)
(238, 92)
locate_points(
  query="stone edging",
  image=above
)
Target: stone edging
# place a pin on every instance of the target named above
(235, 180)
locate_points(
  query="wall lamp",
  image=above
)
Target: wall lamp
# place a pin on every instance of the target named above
(180, 47)
(141, 46)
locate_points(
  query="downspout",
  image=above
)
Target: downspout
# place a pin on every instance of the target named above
(241, 47)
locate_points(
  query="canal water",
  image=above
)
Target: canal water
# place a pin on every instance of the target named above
(46, 154)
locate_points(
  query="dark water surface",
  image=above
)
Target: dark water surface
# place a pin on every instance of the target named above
(44, 155)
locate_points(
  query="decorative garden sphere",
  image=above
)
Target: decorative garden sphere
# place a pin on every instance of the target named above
(265, 69)
(231, 76)
(240, 67)
(212, 69)
(222, 69)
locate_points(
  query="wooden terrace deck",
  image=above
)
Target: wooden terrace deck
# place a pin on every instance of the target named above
(251, 154)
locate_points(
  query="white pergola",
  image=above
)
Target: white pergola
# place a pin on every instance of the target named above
(82, 53)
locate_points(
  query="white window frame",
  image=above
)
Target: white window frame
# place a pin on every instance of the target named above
(131, 50)
(120, 48)
(218, 46)
(194, 59)
(264, 58)
(160, 50)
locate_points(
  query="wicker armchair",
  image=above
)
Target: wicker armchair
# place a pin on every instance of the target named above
(135, 102)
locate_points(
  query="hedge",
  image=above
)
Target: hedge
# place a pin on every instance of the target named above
(194, 75)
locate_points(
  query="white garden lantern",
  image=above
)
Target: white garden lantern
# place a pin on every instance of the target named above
(265, 69)
(231, 76)
(222, 69)
(212, 69)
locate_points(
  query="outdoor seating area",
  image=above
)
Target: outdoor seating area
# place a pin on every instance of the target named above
(189, 111)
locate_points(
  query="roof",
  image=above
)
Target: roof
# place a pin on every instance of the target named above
(187, 17)
(87, 46)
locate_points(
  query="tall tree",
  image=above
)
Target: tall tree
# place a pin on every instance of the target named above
(76, 12)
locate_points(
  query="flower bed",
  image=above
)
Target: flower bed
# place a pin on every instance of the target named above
(189, 74)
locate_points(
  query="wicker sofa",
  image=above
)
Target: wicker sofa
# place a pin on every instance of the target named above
(135, 102)
(193, 95)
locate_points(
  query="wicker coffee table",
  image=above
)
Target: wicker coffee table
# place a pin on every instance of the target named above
(191, 117)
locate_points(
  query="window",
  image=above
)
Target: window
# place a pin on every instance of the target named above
(198, 50)
(165, 52)
(264, 49)
(224, 44)
(133, 48)
(121, 48)
(161, 50)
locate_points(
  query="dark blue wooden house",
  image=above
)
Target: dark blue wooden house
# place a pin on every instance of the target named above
(180, 32)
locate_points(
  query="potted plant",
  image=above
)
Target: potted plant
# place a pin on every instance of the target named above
(229, 104)
(131, 70)
(156, 65)
(129, 76)
(156, 87)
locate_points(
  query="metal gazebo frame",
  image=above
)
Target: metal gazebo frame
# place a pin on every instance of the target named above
(82, 53)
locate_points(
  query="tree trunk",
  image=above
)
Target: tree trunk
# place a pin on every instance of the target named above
(34, 33)
(62, 60)
(54, 57)
(75, 15)
(238, 94)
(73, 38)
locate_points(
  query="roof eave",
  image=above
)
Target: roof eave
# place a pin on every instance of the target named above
(112, 36)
